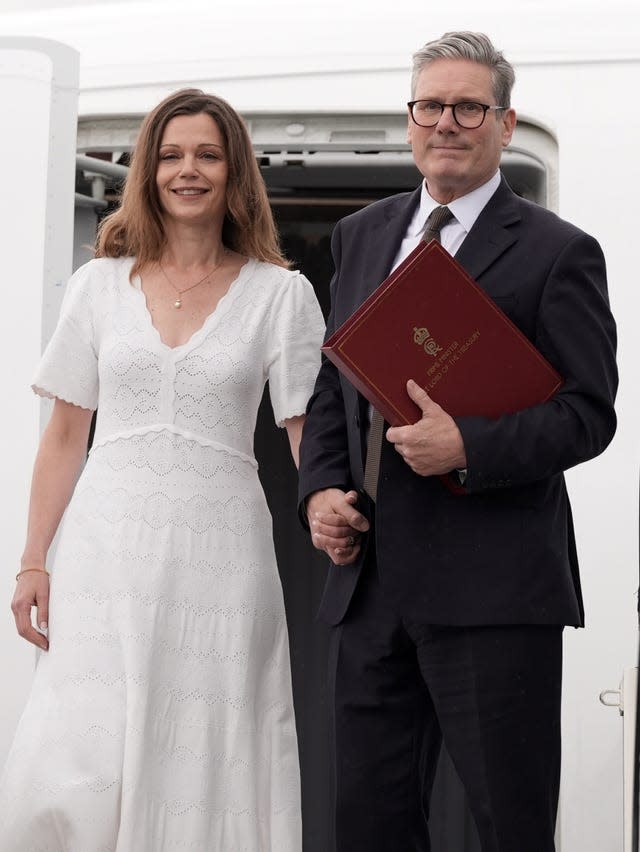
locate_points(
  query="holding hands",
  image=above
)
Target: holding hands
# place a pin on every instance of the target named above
(335, 524)
(431, 446)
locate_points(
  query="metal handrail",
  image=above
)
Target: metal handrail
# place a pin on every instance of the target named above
(101, 167)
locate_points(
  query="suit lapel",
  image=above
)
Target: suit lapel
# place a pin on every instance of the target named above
(380, 248)
(384, 238)
(492, 233)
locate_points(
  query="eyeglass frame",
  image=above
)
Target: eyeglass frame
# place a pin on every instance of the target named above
(485, 107)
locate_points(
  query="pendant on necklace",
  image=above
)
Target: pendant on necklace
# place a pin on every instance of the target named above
(177, 303)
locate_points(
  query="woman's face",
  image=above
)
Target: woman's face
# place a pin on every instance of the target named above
(192, 171)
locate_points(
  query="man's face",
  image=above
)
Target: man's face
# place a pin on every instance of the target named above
(454, 160)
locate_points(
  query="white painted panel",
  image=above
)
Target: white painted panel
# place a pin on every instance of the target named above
(38, 91)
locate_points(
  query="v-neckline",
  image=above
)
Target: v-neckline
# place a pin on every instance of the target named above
(136, 286)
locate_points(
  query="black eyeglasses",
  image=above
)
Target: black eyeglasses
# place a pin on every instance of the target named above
(467, 114)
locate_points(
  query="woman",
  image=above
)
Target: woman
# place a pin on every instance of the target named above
(161, 716)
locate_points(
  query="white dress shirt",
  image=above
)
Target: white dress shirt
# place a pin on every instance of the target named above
(465, 210)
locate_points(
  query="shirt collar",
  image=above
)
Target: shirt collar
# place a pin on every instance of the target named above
(466, 209)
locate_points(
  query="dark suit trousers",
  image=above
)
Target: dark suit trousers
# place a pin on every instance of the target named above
(399, 689)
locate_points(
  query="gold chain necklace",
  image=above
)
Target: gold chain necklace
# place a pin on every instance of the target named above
(178, 301)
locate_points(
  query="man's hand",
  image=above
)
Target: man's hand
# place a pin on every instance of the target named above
(434, 444)
(335, 524)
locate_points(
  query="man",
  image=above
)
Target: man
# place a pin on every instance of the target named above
(447, 610)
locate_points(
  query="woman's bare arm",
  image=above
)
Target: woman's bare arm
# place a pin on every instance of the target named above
(294, 431)
(60, 457)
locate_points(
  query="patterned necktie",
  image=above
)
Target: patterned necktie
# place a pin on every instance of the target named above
(436, 220)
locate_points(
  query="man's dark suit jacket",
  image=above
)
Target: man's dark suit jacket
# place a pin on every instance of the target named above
(503, 553)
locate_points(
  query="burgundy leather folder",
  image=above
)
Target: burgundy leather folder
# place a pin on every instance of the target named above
(429, 321)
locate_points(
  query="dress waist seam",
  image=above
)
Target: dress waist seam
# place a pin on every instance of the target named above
(174, 430)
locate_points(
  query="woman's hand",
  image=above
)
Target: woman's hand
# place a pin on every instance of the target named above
(32, 590)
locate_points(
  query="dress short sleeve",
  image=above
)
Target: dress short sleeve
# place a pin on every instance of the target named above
(297, 331)
(68, 369)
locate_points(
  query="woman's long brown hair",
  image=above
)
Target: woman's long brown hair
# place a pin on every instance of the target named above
(135, 229)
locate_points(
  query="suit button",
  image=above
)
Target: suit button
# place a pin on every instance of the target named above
(356, 420)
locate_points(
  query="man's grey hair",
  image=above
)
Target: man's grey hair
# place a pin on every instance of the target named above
(476, 47)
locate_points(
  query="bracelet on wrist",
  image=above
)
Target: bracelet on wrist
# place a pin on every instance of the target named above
(31, 570)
